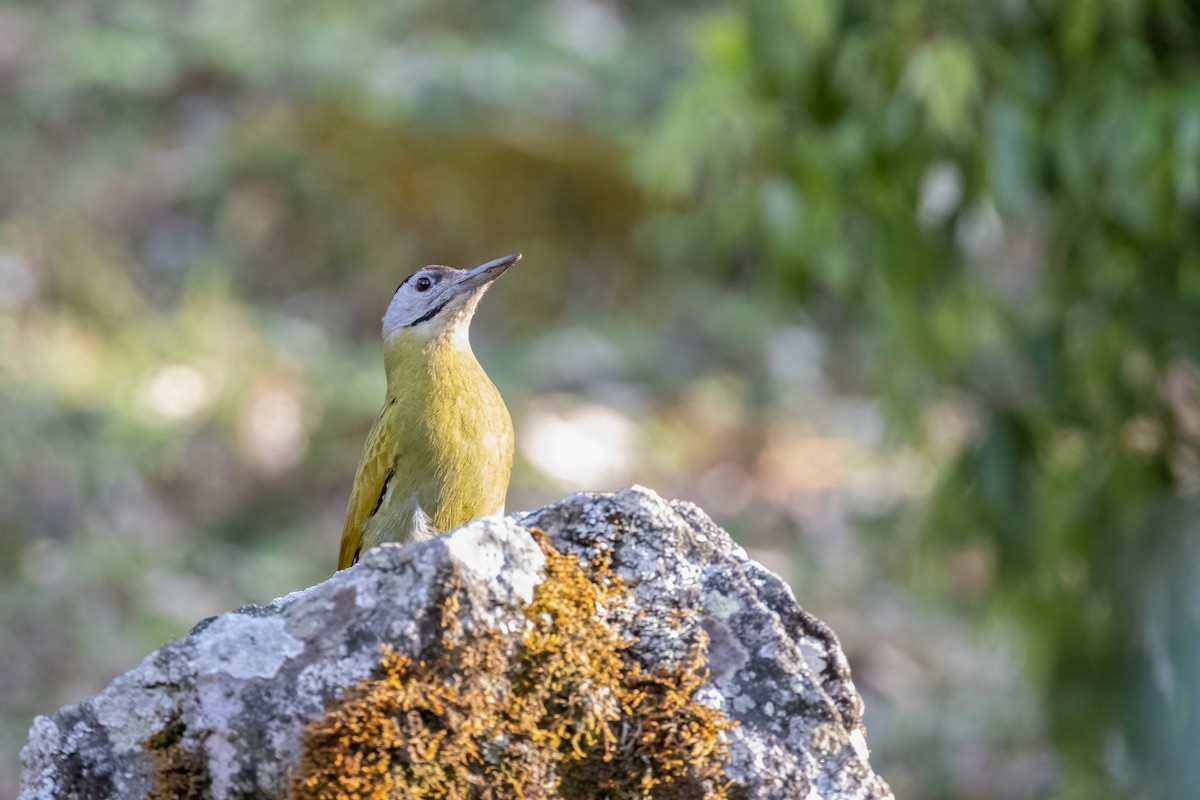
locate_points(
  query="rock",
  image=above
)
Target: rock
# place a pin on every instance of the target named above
(632, 648)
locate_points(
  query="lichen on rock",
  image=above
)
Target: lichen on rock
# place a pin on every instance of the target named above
(180, 773)
(631, 650)
(557, 708)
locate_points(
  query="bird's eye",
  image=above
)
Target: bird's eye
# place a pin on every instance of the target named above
(423, 284)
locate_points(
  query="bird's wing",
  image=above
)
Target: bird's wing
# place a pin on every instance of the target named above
(376, 468)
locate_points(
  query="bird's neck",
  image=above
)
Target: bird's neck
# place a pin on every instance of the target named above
(415, 363)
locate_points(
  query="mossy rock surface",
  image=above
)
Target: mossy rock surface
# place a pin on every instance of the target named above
(608, 646)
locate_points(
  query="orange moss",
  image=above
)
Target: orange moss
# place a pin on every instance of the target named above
(179, 773)
(562, 709)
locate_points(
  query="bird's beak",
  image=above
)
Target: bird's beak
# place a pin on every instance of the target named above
(486, 273)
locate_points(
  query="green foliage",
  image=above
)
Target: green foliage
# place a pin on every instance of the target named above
(997, 203)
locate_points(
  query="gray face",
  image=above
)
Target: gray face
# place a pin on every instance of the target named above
(423, 295)
(435, 298)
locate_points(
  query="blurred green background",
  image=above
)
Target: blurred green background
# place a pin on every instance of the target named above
(906, 295)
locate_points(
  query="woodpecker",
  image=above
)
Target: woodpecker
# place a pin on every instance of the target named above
(440, 452)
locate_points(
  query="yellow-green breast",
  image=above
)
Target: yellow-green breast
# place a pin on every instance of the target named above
(441, 448)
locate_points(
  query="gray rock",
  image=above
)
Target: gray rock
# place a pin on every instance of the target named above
(230, 702)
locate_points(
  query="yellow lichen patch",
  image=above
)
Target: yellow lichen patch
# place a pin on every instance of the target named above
(562, 708)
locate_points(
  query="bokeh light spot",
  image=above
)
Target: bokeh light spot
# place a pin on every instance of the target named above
(176, 392)
(584, 445)
(273, 433)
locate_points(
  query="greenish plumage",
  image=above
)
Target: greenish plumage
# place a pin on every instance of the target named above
(440, 451)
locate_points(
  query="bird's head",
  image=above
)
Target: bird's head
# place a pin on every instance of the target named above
(437, 301)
